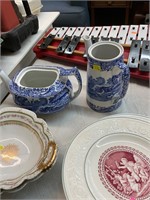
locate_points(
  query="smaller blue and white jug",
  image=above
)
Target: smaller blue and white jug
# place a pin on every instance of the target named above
(43, 89)
(107, 76)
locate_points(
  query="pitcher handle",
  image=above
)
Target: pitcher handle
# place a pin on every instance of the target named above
(125, 77)
(73, 72)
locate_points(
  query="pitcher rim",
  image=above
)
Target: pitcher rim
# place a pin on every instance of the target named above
(118, 45)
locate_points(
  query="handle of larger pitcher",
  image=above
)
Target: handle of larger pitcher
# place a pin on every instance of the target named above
(125, 77)
(74, 72)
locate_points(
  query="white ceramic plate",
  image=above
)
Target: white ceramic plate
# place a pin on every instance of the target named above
(109, 160)
(27, 148)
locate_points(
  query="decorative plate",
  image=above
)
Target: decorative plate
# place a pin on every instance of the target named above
(110, 160)
(27, 148)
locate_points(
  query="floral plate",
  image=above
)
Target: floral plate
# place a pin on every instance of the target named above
(110, 160)
(27, 148)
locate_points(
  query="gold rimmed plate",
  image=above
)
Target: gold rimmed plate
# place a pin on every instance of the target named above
(27, 147)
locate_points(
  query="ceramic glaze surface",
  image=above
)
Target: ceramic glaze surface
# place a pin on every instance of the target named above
(122, 168)
(46, 104)
(46, 99)
(98, 159)
(27, 148)
(125, 172)
(107, 79)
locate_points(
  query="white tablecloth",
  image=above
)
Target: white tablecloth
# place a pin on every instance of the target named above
(66, 124)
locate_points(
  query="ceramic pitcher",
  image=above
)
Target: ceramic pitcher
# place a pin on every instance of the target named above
(43, 89)
(107, 76)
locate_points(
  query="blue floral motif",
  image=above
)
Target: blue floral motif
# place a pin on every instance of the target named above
(112, 89)
(105, 66)
(55, 106)
(104, 109)
(36, 92)
(105, 91)
(46, 105)
(49, 99)
(115, 79)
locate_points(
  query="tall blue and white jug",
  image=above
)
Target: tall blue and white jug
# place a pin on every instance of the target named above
(107, 76)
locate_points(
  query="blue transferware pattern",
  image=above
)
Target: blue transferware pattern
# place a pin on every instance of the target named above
(98, 90)
(48, 99)
(104, 90)
(104, 109)
(105, 66)
(54, 89)
(46, 105)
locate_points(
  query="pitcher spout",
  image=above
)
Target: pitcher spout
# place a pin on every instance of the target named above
(5, 78)
(87, 43)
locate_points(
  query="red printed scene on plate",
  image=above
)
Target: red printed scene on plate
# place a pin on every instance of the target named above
(125, 173)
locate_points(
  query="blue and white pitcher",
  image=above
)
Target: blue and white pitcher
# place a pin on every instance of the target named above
(43, 89)
(107, 76)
